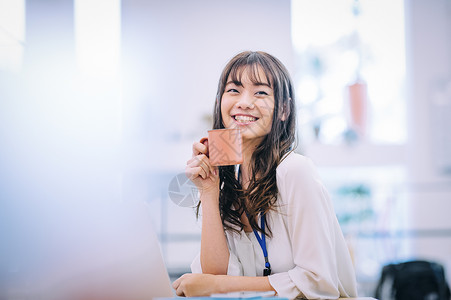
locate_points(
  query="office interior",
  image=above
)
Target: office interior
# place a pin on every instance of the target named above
(101, 100)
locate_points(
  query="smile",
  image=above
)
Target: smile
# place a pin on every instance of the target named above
(244, 119)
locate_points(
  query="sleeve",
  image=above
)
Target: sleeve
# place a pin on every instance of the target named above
(312, 227)
(234, 268)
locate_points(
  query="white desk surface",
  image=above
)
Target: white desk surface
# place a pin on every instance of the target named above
(359, 298)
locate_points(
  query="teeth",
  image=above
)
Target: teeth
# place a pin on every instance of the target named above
(245, 119)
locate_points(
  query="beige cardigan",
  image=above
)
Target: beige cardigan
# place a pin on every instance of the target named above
(307, 252)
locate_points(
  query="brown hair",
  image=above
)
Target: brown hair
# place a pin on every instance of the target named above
(261, 194)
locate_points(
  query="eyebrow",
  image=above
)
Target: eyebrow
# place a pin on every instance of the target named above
(238, 83)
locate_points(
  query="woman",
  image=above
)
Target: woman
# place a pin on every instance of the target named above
(268, 224)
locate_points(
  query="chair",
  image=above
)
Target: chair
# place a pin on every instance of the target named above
(413, 280)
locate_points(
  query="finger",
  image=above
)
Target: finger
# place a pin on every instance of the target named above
(204, 141)
(203, 162)
(199, 148)
(205, 165)
(179, 289)
(194, 170)
(176, 283)
(202, 173)
(198, 159)
(177, 286)
(179, 292)
(193, 173)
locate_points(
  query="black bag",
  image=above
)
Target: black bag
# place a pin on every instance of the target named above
(413, 280)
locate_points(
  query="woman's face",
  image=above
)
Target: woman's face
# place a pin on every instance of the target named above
(248, 106)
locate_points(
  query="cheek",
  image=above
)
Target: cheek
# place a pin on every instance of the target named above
(225, 107)
(267, 109)
(267, 112)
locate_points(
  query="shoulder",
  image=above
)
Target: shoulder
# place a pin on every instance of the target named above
(297, 178)
(295, 164)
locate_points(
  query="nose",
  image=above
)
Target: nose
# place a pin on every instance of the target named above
(245, 101)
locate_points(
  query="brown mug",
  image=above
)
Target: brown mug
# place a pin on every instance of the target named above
(224, 147)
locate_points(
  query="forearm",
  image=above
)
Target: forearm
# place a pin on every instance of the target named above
(214, 253)
(227, 284)
(191, 285)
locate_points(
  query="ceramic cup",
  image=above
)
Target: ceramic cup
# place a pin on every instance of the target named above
(224, 147)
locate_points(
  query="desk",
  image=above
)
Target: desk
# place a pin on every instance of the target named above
(263, 298)
(359, 298)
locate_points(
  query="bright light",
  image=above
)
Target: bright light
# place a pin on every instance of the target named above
(97, 37)
(12, 34)
(334, 46)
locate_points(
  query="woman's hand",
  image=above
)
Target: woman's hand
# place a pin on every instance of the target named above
(190, 285)
(200, 171)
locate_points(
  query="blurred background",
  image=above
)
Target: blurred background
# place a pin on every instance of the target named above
(101, 100)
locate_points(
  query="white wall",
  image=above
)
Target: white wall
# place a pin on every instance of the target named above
(174, 51)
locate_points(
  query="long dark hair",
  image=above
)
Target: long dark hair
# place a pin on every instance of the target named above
(261, 194)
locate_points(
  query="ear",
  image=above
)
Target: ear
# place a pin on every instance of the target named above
(285, 112)
(283, 117)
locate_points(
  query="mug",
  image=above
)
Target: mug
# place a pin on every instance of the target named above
(224, 147)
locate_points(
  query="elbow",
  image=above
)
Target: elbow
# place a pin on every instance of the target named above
(214, 265)
(215, 273)
(214, 270)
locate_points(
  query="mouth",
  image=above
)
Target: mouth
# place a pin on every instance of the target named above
(244, 119)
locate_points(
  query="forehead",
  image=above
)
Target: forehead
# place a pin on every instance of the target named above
(253, 73)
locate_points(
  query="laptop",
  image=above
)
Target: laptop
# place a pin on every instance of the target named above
(139, 266)
(98, 251)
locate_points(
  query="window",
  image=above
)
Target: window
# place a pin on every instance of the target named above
(349, 80)
(340, 43)
(97, 34)
(12, 34)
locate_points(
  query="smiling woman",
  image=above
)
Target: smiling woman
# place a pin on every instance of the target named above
(267, 224)
(248, 105)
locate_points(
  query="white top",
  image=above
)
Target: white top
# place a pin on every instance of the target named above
(307, 252)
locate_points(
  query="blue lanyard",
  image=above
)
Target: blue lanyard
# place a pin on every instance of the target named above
(262, 241)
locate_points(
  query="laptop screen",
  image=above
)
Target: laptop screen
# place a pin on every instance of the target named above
(89, 251)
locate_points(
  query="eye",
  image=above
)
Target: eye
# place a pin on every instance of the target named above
(232, 91)
(261, 93)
